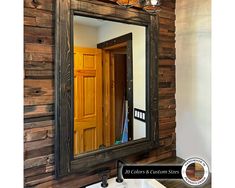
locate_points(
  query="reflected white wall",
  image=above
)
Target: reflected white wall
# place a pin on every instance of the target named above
(85, 36)
(90, 36)
(112, 30)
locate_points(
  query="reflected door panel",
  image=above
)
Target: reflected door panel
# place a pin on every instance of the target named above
(87, 99)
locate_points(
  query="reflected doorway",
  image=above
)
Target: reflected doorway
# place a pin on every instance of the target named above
(103, 95)
(107, 57)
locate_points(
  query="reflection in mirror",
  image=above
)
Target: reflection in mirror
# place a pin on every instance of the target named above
(109, 83)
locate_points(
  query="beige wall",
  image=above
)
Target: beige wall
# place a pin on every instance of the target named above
(193, 79)
(112, 30)
(85, 36)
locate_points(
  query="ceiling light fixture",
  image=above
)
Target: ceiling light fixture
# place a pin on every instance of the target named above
(126, 3)
(151, 6)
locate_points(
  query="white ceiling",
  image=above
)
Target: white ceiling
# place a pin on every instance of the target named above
(89, 21)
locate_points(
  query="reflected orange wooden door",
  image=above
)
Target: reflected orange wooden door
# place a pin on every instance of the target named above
(87, 99)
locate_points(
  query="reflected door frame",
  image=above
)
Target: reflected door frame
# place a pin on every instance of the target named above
(118, 45)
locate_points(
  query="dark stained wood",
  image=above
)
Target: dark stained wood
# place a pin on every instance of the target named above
(38, 111)
(111, 11)
(38, 21)
(167, 126)
(63, 94)
(115, 41)
(40, 48)
(36, 13)
(41, 4)
(167, 76)
(29, 21)
(167, 104)
(166, 21)
(38, 179)
(35, 74)
(38, 161)
(38, 18)
(129, 87)
(28, 146)
(166, 38)
(32, 136)
(36, 56)
(38, 35)
(166, 62)
(152, 81)
(45, 150)
(38, 133)
(64, 98)
(38, 124)
(39, 66)
(38, 92)
(38, 170)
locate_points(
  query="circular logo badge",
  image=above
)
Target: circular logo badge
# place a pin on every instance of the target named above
(195, 171)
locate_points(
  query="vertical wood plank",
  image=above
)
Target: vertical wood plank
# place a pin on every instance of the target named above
(153, 76)
(63, 71)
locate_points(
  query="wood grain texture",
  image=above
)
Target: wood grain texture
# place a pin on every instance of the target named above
(63, 82)
(41, 4)
(38, 17)
(38, 110)
(38, 92)
(112, 11)
(38, 35)
(38, 133)
(39, 95)
(87, 99)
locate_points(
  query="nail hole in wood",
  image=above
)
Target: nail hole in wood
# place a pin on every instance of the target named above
(40, 41)
(35, 3)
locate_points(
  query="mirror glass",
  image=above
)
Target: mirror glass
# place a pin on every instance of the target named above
(109, 83)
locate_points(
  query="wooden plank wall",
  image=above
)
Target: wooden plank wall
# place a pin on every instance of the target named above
(39, 95)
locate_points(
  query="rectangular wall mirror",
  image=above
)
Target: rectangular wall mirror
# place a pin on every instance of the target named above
(109, 82)
(106, 83)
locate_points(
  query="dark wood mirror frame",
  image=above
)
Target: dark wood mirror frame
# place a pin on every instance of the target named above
(65, 163)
